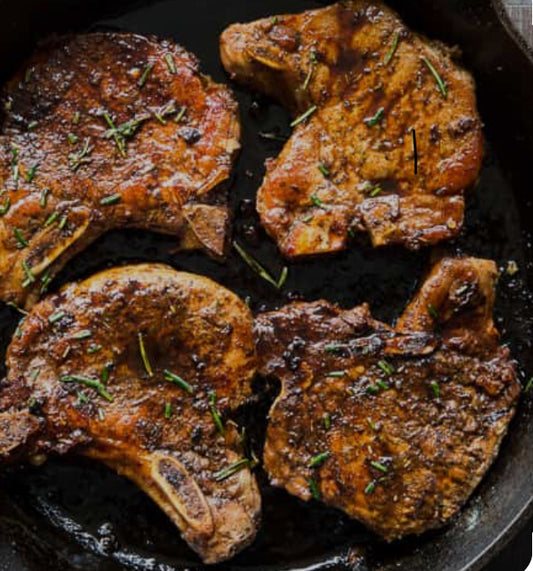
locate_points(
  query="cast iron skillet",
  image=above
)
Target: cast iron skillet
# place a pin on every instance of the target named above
(71, 514)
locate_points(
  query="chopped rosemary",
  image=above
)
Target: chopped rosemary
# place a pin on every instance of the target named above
(62, 222)
(382, 385)
(317, 202)
(145, 74)
(169, 58)
(5, 207)
(370, 488)
(372, 389)
(51, 219)
(30, 175)
(15, 306)
(105, 372)
(327, 421)
(168, 410)
(116, 134)
(333, 348)
(177, 380)
(83, 334)
(230, 470)
(94, 349)
(76, 117)
(55, 317)
(323, 170)
(304, 116)
(181, 114)
(315, 492)
(215, 414)
(92, 383)
(72, 138)
(45, 281)
(336, 374)
(258, 268)
(32, 125)
(30, 278)
(393, 48)
(144, 356)
(35, 374)
(379, 467)
(318, 459)
(14, 163)
(312, 63)
(272, 137)
(372, 121)
(435, 387)
(438, 78)
(75, 160)
(101, 414)
(82, 398)
(529, 385)
(433, 312)
(111, 199)
(22, 242)
(386, 367)
(44, 197)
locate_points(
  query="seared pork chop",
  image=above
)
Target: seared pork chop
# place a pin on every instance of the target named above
(138, 367)
(395, 426)
(106, 131)
(358, 83)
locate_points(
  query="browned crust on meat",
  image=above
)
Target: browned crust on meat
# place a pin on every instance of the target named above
(170, 175)
(190, 326)
(336, 59)
(411, 418)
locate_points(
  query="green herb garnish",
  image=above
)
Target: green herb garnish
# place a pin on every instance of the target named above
(44, 197)
(370, 488)
(15, 306)
(32, 125)
(433, 312)
(438, 78)
(169, 58)
(168, 410)
(30, 175)
(55, 317)
(144, 356)
(111, 199)
(177, 380)
(51, 219)
(379, 467)
(5, 207)
(317, 202)
(215, 414)
(30, 278)
(327, 421)
(373, 121)
(258, 268)
(336, 374)
(84, 334)
(72, 138)
(382, 385)
(372, 389)
(145, 74)
(304, 116)
(92, 383)
(315, 492)
(181, 114)
(230, 470)
(318, 459)
(393, 48)
(75, 160)
(386, 367)
(435, 387)
(22, 242)
(323, 170)
(63, 222)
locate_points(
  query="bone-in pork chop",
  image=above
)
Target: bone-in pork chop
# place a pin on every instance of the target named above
(395, 426)
(138, 367)
(359, 83)
(104, 131)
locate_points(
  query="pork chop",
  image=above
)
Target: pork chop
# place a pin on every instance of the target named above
(359, 84)
(139, 367)
(394, 426)
(104, 131)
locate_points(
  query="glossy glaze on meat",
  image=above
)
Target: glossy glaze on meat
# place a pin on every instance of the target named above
(158, 433)
(104, 131)
(358, 83)
(395, 426)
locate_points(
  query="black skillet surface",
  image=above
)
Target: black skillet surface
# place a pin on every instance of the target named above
(71, 514)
